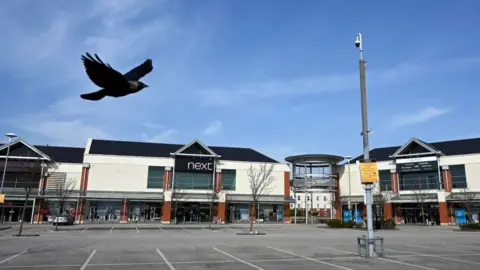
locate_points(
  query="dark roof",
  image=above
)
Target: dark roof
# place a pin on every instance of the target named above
(63, 154)
(145, 149)
(449, 148)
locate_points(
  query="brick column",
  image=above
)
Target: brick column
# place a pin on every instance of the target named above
(218, 180)
(443, 212)
(394, 179)
(124, 211)
(286, 193)
(387, 210)
(167, 207)
(38, 211)
(221, 209)
(398, 214)
(442, 208)
(338, 204)
(80, 210)
(447, 179)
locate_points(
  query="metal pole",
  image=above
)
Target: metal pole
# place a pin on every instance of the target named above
(349, 182)
(6, 161)
(33, 210)
(366, 151)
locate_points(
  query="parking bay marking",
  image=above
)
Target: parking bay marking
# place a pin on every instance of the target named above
(310, 259)
(237, 259)
(13, 257)
(165, 260)
(85, 264)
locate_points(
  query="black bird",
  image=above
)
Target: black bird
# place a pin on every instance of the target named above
(112, 82)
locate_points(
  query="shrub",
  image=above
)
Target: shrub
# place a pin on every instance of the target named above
(470, 227)
(336, 223)
(387, 224)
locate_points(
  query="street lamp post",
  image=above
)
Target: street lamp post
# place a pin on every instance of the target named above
(10, 137)
(349, 186)
(366, 151)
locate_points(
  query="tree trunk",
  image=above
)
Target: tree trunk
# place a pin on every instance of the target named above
(423, 216)
(210, 211)
(252, 217)
(23, 216)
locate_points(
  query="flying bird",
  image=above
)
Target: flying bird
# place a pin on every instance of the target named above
(112, 82)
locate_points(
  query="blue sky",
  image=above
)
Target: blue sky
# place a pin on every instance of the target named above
(277, 76)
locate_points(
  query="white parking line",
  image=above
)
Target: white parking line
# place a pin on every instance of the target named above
(407, 264)
(237, 259)
(88, 260)
(334, 249)
(85, 230)
(12, 257)
(160, 229)
(424, 247)
(435, 256)
(111, 230)
(137, 229)
(185, 229)
(311, 259)
(165, 260)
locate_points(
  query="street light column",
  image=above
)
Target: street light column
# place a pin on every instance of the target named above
(366, 151)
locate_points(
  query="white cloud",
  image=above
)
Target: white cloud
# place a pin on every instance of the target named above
(152, 125)
(44, 50)
(277, 151)
(424, 115)
(251, 92)
(73, 132)
(160, 138)
(213, 128)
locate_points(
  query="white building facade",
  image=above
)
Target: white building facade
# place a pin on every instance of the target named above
(135, 181)
(440, 177)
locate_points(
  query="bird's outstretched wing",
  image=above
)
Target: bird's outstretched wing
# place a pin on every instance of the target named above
(94, 95)
(103, 75)
(139, 71)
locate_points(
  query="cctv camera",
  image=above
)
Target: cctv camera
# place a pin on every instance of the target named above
(357, 43)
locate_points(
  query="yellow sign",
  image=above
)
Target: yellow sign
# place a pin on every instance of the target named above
(368, 172)
(2, 198)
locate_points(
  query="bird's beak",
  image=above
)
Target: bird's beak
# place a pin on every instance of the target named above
(146, 86)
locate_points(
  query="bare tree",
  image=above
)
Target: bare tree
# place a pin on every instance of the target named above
(380, 198)
(63, 191)
(177, 196)
(420, 195)
(30, 181)
(261, 184)
(466, 199)
(211, 197)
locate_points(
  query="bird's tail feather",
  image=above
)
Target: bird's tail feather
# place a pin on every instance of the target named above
(94, 95)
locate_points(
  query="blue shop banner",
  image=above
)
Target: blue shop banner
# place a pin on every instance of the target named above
(358, 216)
(347, 215)
(460, 216)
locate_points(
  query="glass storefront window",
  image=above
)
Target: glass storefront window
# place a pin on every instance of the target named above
(193, 180)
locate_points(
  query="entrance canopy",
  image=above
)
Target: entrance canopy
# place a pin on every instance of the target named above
(314, 171)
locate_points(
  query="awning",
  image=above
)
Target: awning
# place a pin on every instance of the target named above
(409, 198)
(463, 196)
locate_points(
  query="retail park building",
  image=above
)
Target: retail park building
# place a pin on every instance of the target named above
(128, 181)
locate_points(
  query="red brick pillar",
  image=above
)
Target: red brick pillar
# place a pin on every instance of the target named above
(80, 210)
(387, 210)
(166, 212)
(398, 214)
(38, 211)
(338, 202)
(447, 179)
(286, 193)
(443, 212)
(221, 211)
(124, 211)
(394, 179)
